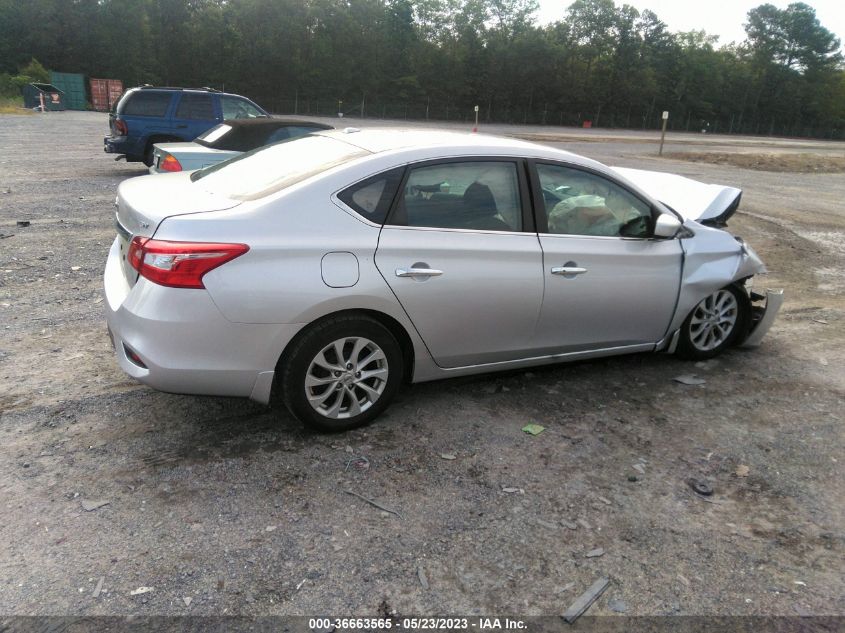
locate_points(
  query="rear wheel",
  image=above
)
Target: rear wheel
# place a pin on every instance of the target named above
(342, 373)
(713, 325)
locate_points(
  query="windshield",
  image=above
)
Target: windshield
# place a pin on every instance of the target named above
(269, 169)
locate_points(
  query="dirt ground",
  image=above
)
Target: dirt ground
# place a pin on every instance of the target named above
(795, 163)
(223, 507)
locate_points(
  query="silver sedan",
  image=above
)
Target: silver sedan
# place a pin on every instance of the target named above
(330, 269)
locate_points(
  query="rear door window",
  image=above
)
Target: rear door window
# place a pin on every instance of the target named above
(195, 106)
(476, 195)
(143, 103)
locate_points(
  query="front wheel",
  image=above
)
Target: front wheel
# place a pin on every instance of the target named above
(713, 325)
(342, 373)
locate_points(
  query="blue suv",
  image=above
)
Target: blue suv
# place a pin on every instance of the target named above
(147, 115)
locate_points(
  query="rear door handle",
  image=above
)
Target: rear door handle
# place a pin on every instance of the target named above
(418, 272)
(181, 127)
(568, 270)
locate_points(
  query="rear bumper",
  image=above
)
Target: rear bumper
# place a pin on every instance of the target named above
(763, 318)
(183, 342)
(115, 145)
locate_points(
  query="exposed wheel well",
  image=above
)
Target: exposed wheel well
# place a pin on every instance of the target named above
(395, 328)
(747, 311)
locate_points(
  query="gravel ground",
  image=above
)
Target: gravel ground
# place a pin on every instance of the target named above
(223, 507)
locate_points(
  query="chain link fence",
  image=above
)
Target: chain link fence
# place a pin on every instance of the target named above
(630, 118)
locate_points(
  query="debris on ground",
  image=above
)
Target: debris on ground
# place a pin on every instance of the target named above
(617, 605)
(568, 524)
(585, 524)
(270, 528)
(512, 490)
(98, 588)
(585, 600)
(187, 600)
(742, 470)
(422, 577)
(699, 486)
(358, 463)
(822, 321)
(141, 590)
(23, 222)
(3, 236)
(89, 505)
(639, 468)
(546, 524)
(594, 553)
(533, 429)
(373, 503)
(565, 587)
(448, 456)
(689, 379)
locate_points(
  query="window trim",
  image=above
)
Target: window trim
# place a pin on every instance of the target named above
(541, 216)
(528, 225)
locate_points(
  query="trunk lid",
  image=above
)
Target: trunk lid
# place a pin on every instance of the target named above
(142, 203)
(693, 200)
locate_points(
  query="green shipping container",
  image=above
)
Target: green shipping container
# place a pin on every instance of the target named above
(73, 86)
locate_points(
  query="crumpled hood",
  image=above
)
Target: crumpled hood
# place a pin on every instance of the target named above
(693, 200)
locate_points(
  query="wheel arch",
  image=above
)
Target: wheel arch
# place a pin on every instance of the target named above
(390, 323)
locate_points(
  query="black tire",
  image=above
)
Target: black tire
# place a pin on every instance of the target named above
(148, 154)
(336, 392)
(709, 330)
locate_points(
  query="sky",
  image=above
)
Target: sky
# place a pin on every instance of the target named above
(718, 17)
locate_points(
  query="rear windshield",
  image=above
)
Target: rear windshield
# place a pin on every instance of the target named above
(272, 168)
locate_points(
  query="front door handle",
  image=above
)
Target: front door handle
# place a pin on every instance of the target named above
(418, 272)
(568, 270)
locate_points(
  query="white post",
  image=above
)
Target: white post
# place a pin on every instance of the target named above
(663, 132)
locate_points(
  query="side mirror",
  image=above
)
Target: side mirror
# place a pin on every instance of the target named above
(667, 226)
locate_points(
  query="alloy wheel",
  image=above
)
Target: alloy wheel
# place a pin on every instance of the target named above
(713, 320)
(346, 377)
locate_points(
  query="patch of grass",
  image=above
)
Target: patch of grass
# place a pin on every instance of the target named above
(795, 163)
(13, 105)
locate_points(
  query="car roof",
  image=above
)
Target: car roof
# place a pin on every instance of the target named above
(449, 143)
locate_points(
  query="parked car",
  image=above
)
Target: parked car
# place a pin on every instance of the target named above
(333, 267)
(148, 115)
(227, 140)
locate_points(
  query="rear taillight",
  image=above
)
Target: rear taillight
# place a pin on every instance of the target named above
(169, 163)
(120, 127)
(179, 264)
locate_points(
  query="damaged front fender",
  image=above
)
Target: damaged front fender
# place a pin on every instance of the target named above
(714, 259)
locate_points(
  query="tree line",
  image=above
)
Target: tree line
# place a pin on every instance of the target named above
(611, 65)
